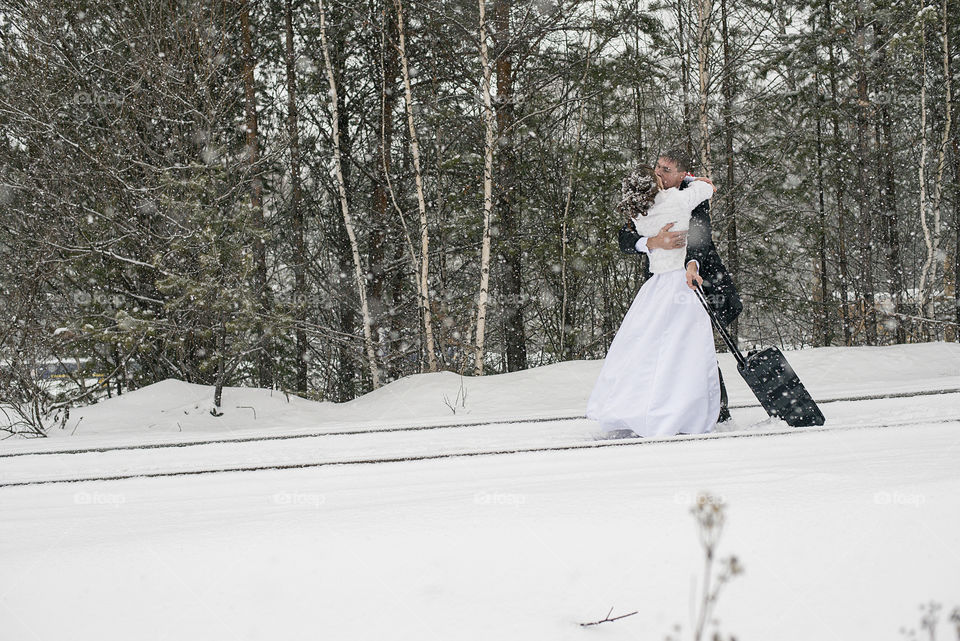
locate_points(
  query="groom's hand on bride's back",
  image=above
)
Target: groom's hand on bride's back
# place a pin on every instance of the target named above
(708, 181)
(666, 239)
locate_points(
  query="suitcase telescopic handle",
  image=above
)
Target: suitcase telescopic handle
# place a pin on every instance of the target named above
(720, 328)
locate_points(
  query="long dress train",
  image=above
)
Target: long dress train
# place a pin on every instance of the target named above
(660, 375)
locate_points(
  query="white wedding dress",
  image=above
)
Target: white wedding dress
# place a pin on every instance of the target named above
(660, 375)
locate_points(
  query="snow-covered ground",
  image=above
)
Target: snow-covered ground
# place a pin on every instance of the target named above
(174, 410)
(843, 531)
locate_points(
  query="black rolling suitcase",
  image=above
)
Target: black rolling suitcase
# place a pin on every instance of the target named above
(772, 380)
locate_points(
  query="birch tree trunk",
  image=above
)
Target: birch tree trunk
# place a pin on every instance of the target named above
(333, 101)
(488, 122)
(928, 240)
(390, 68)
(424, 286)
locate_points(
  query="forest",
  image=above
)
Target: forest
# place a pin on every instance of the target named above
(323, 196)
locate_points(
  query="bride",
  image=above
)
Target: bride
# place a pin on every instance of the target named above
(660, 375)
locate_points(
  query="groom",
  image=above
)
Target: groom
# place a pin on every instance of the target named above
(718, 287)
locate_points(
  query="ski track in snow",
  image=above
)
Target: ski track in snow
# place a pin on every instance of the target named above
(842, 534)
(415, 443)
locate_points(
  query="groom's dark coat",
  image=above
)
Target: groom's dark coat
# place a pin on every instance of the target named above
(720, 291)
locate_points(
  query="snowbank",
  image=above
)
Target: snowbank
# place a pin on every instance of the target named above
(175, 407)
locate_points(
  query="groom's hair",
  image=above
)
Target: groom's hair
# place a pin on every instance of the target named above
(680, 157)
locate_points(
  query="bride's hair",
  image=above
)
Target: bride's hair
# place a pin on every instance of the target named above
(639, 189)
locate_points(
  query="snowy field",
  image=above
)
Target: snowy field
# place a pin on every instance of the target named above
(843, 531)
